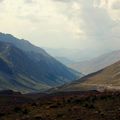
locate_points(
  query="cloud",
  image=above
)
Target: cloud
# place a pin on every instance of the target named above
(1, 1)
(116, 5)
(29, 1)
(96, 19)
(40, 22)
(96, 24)
(83, 24)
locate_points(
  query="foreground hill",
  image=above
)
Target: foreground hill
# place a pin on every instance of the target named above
(107, 78)
(89, 105)
(30, 69)
(96, 64)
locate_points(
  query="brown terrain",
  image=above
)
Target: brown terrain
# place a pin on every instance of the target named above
(107, 78)
(89, 105)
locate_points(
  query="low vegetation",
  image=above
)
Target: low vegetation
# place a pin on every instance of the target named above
(65, 106)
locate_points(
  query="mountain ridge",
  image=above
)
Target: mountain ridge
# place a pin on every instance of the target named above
(98, 63)
(38, 69)
(107, 78)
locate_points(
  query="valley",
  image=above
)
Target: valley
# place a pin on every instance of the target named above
(59, 59)
(96, 64)
(36, 86)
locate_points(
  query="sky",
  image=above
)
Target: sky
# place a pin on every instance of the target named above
(87, 25)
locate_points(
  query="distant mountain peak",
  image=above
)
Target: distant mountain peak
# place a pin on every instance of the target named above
(96, 64)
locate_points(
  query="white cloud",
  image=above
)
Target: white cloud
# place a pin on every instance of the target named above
(98, 21)
(39, 21)
(83, 24)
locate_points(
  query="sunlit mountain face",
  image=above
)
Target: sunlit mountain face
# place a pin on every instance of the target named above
(104, 79)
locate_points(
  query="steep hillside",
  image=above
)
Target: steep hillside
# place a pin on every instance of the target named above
(108, 78)
(30, 71)
(96, 64)
(17, 70)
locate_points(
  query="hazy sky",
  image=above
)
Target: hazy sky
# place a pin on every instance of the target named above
(83, 24)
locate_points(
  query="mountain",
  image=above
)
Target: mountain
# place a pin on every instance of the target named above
(107, 78)
(17, 70)
(21, 43)
(30, 69)
(72, 54)
(96, 64)
(65, 60)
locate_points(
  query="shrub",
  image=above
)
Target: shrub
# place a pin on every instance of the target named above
(17, 109)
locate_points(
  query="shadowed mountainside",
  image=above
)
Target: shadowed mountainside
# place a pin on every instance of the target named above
(30, 69)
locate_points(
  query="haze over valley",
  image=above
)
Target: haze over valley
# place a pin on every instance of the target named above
(59, 59)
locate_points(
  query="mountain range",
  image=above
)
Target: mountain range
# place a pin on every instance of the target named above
(96, 64)
(65, 61)
(27, 68)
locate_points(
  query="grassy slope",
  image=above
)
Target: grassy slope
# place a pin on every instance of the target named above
(107, 78)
